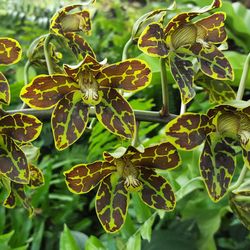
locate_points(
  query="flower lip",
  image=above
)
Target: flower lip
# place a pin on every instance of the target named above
(89, 88)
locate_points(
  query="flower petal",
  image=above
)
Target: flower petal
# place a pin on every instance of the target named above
(115, 113)
(112, 203)
(213, 62)
(69, 119)
(156, 192)
(10, 51)
(162, 156)
(84, 177)
(217, 164)
(130, 75)
(183, 73)
(186, 17)
(152, 41)
(20, 127)
(46, 90)
(4, 90)
(188, 130)
(214, 27)
(36, 177)
(13, 163)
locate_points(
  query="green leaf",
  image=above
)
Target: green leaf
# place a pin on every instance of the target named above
(134, 242)
(93, 243)
(146, 228)
(67, 241)
(69, 119)
(217, 164)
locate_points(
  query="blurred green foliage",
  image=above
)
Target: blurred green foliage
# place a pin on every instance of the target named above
(66, 221)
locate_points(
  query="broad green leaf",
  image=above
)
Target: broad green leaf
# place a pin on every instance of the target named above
(146, 228)
(186, 17)
(162, 156)
(112, 203)
(67, 241)
(188, 130)
(134, 242)
(156, 191)
(217, 164)
(10, 51)
(4, 240)
(13, 163)
(214, 27)
(115, 113)
(129, 75)
(65, 21)
(69, 120)
(84, 177)
(152, 41)
(36, 177)
(93, 243)
(46, 90)
(183, 73)
(213, 62)
(218, 91)
(20, 127)
(4, 90)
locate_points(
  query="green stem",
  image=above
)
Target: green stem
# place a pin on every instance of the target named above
(243, 79)
(240, 179)
(140, 115)
(183, 108)
(47, 54)
(26, 72)
(125, 49)
(135, 142)
(164, 86)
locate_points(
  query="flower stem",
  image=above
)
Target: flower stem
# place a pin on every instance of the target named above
(165, 102)
(243, 79)
(240, 179)
(183, 108)
(26, 78)
(135, 141)
(140, 115)
(125, 49)
(47, 54)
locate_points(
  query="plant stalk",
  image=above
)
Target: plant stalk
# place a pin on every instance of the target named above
(26, 72)
(125, 49)
(240, 179)
(243, 79)
(165, 100)
(47, 54)
(140, 115)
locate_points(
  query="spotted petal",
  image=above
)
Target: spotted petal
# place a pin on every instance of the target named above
(115, 113)
(13, 163)
(65, 21)
(186, 17)
(188, 130)
(112, 203)
(217, 164)
(152, 41)
(10, 51)
(20, 127)
(156, 192)
(162, 156)
(84, 177)
(78, 45)
(214, 27)
(213, 62)
(69, 120)
(36, 177)
(183, 73)
(4, 90)
(130, 75)
(46, 90)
